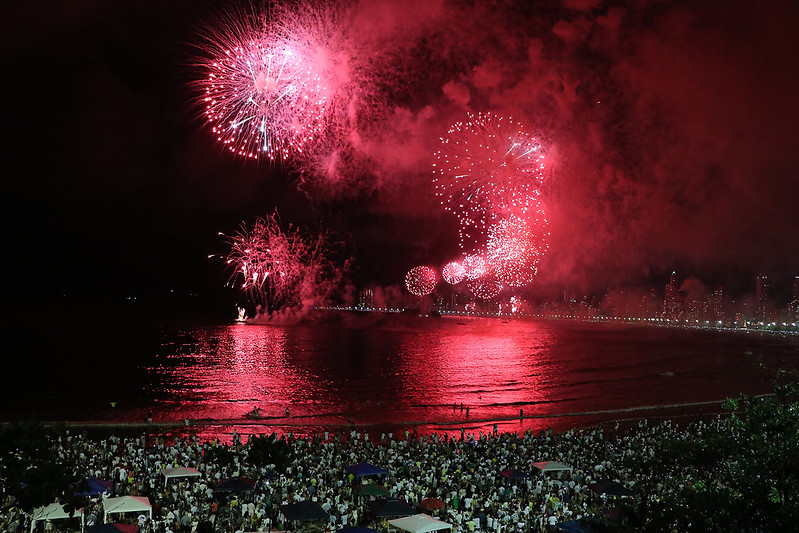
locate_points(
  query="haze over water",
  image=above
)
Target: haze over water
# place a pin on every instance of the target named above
(384, 373)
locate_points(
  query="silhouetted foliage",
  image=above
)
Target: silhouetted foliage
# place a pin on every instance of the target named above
(220, 455)
(269, 450)
(32, 473)
(736, 476)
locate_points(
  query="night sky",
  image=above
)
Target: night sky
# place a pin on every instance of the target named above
(672, 132)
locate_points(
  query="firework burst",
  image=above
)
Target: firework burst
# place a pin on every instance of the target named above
(475, 266)
(281, 268)
(421, 280)
(485, 287)
(515, 246)
(453, 273)
(265, 87)
(485, 168)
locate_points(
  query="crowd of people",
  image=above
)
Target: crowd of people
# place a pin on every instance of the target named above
(468, 473)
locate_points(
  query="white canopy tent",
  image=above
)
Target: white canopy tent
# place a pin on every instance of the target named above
(54, 511)
(174, 473)
(419, 523)
(551, 466)
(127, 504)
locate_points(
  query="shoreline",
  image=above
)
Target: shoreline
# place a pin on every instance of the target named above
(643, 322)
(310, 425)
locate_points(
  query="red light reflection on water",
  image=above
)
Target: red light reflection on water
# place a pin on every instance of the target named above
(391, 373)
(237, 369)
(493, 369)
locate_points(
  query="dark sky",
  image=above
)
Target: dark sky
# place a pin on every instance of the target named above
(672, 130)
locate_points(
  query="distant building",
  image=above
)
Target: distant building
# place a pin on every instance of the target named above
(762, 303)
(716, 305)
(793, 307)
(672, 304)
(367, 299)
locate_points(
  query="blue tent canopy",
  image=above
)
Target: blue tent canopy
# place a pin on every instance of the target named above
(235, 484)
(390, 509)
(96, 487)
(304, 511)
(365, 469)
(573, 526)
(515, 474)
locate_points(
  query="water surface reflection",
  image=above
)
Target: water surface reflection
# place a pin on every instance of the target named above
(333, 375)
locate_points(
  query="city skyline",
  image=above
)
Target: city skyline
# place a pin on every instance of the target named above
(679, 303)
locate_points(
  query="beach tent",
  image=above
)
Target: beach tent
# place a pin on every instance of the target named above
(390, 508)
(371, 489)
(95, 487)
(419, 523)
(127, 504)
(305, 511)
(54, 511)
(551, 466)
(235, 484)
(174, 473)
(365, 469)
(515, 474)
(581, 525)
(430, 504)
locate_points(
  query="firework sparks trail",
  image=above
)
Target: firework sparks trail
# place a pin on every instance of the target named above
(485, 168)
(421, 280)
(264, 92)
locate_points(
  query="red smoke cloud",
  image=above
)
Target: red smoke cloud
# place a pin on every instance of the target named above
(671, 128)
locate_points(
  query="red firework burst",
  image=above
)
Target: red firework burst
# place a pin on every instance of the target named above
(486, 167)
(264, 93)
(474, 266)
(421, 280)
(280, 268)
(453, 273)
(486, 287)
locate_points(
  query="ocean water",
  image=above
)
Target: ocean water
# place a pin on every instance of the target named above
(384, 373)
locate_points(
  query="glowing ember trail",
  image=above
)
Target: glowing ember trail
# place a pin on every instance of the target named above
(421, 280)
(263, 92)
(487, 167)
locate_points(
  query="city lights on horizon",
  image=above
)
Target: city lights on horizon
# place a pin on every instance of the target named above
(667, 307)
